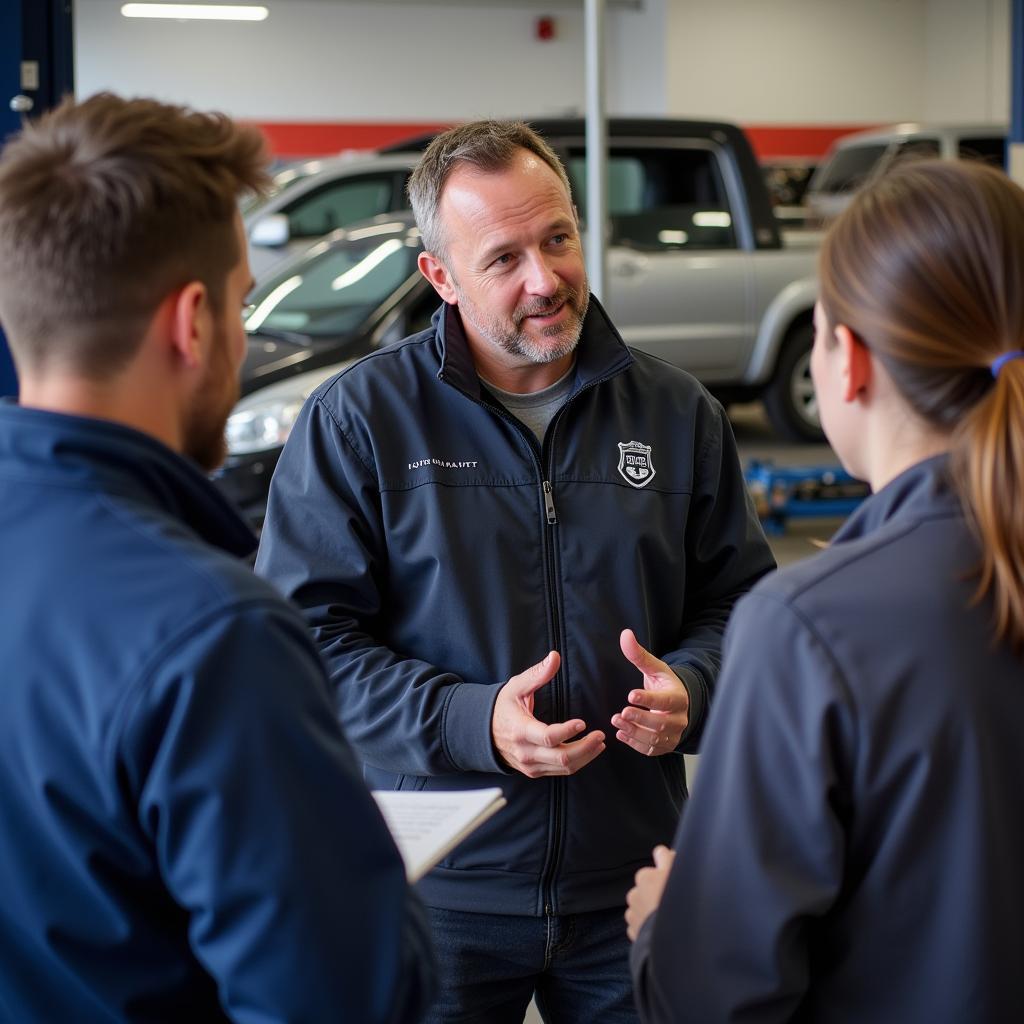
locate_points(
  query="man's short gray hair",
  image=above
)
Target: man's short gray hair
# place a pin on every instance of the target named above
(484, 145)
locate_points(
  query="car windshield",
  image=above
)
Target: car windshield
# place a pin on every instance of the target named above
(336, 290)
(848, 168)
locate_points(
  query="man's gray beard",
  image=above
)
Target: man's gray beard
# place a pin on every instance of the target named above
(523, 346)
(519, 344)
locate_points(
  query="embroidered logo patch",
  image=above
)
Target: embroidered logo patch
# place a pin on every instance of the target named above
(444, 463)
(635, 464)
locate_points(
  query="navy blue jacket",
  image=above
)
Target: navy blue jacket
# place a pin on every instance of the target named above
(408, 517)
(853, 848)
(185, 834)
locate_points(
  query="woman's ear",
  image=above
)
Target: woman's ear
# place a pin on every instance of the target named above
(856, 363)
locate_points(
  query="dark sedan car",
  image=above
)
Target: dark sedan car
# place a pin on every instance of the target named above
(356, 290)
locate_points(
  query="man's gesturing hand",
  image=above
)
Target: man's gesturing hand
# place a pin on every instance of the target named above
(527, 744)
(658, 714)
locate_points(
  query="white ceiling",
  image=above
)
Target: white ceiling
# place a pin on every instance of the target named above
(551, 5)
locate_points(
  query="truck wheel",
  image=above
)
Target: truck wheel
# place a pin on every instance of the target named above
(789, 399)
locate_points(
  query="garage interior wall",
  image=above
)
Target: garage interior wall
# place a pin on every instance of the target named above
(323, 60)
(803, 62)
(968, 70)
(827, 61)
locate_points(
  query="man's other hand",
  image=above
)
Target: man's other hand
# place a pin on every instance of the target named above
(658, 714)
(528, 745)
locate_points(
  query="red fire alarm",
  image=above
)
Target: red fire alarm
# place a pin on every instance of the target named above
(545, 28)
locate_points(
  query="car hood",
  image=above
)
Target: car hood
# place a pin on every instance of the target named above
(269, 359)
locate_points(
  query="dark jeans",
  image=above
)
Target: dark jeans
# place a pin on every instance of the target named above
(490, 965)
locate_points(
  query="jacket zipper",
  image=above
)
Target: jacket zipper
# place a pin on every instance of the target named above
(559, 694)
(558, 702)
(558, 782)
(549, 503)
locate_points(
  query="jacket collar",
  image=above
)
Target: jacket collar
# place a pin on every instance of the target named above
(98, 455)
(919, 491)
(601, 352)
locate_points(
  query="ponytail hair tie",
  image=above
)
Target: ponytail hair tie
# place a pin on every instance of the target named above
(1000, 361)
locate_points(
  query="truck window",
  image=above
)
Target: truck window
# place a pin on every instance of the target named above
(848, 168)
(990, 150)
(671, 198)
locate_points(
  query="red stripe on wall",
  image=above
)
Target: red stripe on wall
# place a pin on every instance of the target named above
(317, 138)
(778, 141)
(321, 138)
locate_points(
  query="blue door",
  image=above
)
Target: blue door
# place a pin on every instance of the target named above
(38, 32)
(10, 85)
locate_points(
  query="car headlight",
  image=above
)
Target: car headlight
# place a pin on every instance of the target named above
(262, 427)
(263, 420)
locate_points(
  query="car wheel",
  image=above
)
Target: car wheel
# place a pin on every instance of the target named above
(789, 399)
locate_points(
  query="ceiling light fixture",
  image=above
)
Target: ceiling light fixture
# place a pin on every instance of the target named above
(195, 12)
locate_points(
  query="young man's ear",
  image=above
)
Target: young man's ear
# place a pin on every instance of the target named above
(856, 365)
(190, 323)
(437, 274)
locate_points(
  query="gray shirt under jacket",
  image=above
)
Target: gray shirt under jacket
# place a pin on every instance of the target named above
(536, 409)
(853, 849)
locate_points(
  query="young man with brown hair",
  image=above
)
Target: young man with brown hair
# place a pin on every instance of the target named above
(185, 832)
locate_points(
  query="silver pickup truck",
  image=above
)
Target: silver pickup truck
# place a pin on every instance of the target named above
(699, 271)
(698, 274)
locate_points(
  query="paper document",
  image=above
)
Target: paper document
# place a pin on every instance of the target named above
(426, 826)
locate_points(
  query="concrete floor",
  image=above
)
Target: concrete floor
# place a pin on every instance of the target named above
(802, 536)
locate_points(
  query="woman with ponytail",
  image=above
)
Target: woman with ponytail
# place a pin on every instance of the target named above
(854, 848)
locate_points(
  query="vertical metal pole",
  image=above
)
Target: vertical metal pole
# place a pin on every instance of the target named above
(1015, 142)
(597, 147)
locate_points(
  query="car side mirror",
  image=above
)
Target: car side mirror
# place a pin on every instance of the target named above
(271, 230)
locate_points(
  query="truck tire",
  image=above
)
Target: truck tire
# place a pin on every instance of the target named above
(789, 399)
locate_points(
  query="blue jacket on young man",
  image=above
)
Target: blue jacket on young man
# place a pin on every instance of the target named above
(437, 549)
(185, 834)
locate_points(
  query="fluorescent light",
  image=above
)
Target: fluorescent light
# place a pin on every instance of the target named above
(196, 12)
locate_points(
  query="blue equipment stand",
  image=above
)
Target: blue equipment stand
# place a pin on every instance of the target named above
(806, 491)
